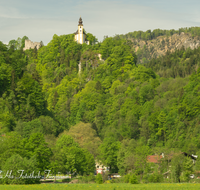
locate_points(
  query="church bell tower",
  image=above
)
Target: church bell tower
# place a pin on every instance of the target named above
(80, 36)
(80, 30)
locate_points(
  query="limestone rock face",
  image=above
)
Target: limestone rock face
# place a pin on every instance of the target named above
(31, 45)
(154, 48)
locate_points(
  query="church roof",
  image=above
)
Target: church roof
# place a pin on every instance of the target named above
(77, 32)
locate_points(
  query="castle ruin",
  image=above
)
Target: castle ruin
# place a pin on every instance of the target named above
(31, 45)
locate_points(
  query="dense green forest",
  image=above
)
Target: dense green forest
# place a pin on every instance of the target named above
(55, 116)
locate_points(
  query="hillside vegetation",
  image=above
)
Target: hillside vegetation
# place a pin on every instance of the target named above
(152, 44)
(113, 110)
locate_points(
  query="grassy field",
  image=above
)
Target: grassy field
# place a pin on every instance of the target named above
(182, 186)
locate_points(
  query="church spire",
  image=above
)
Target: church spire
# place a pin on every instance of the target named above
(80, 22)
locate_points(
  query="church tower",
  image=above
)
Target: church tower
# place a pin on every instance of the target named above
(80, 36)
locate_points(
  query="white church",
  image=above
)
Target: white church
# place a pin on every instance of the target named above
(80, 36)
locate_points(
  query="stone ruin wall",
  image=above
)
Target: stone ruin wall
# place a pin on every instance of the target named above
(31, 45)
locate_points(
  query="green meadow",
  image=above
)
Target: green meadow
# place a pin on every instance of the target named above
(165, 186)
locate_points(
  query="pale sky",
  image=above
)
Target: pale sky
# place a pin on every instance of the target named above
(41, 19)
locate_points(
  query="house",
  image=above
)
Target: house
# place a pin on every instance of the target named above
(192, 156)
(100, 168)
(157, 158)
(154, 158)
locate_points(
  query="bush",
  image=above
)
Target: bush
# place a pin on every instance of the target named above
(145, 178)
(86, 178)
(133, 179)
(186, 176)
(126, 178)
(66, 180)
(155, 178)
(105, 176)
(117, 180)
(91, 177)
(99, 179)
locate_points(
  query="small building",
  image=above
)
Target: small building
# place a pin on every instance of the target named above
(114, 175)
(80, 35)
(192, 156)
(100, 168)
(157, 158)
(154, 159)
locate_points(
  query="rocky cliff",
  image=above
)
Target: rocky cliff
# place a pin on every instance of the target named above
(149, 49)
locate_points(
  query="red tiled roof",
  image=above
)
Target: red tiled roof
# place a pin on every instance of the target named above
(154, 158)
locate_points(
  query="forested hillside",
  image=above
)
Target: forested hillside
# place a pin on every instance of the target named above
(112, 110)
(152, 44)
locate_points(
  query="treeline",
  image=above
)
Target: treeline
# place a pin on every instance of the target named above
(111, 110)
(150, 35)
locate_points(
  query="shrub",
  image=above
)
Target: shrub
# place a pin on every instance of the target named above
(133, 179)
(66, 180)
(126, 178)
(105, 176)
(155, 178)
(145, 178)
(186, 176)
(91, 177)
(99, 178)
(117, 180)
(86, 178)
